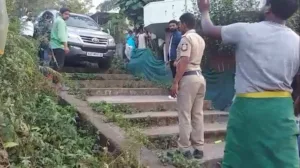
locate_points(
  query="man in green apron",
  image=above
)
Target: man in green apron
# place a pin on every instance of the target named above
(261, 131)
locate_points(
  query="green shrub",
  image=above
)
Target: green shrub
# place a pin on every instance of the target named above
(36, 131)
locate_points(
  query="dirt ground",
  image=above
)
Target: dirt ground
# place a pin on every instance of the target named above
(4, 162)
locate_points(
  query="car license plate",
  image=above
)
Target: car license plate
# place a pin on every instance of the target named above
(94, 54)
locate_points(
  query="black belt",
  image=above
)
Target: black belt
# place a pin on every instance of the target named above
(192, 73)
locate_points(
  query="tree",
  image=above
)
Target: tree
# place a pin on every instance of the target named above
(107, 5)
(36, 6)
(224, 12)
(117, 25)
(133, 9)
(78, 6)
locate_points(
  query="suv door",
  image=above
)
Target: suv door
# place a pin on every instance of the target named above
(39, 25)
(36, 24)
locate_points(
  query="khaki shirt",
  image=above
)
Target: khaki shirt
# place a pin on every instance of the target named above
(191, 45)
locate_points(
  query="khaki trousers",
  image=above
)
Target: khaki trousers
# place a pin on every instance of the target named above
(190, 100)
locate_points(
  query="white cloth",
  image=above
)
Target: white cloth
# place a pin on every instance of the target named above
(166, 59)
(233, 98)
(128, 51)
(27, 27)
(170, 46)
(153, 36)
(142, 41)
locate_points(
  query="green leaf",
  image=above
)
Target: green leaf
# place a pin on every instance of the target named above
(135, 6)
(129, 2)
(35, 129)
(10, 144)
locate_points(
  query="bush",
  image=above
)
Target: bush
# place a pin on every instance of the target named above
(294, 22)
(36, 131)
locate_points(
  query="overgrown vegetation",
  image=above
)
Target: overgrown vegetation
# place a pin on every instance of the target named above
(178, 160)
(36, 131)
(117, 26)
(133, 9)
(36, 6)
(115, 113)
(117, 66)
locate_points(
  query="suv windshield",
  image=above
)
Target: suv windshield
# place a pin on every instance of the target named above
(82, 22)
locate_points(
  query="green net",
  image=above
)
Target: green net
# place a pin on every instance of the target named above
(144, 64)
(219, 88)
(220, 85)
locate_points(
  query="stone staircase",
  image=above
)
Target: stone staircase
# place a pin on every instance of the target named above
(155, 112)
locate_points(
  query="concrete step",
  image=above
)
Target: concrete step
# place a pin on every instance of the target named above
(213, 154)
(114, 84)
(166, 137)
(143, 103)
(87, 70)
(167, 118)
(93, 76)
(124, 91)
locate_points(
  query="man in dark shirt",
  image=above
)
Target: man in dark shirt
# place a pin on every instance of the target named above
(174, 41)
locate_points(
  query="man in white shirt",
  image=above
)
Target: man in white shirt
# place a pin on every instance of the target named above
(141, 39)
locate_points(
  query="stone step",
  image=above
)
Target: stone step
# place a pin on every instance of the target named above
(213, 154)
(167, 118)
(86, 70)
(93, 76)
(143, 103)
(124, 91)
(166, 137)
(114, 84)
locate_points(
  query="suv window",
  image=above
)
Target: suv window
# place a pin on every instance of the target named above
(82, 22)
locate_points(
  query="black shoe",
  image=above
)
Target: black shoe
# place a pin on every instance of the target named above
(188, 154)
(198, 154)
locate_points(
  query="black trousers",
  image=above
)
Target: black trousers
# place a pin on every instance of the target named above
(173, 68)
(60, 55)
(295, 89)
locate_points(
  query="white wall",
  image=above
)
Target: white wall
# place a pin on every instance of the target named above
(164, 11)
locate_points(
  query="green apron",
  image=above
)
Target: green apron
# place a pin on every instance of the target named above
(261, 133)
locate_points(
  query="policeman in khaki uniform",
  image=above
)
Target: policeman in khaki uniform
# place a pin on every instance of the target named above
(189, 87)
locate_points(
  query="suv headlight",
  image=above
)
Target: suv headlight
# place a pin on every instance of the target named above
(111, 42)
(74, 38)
